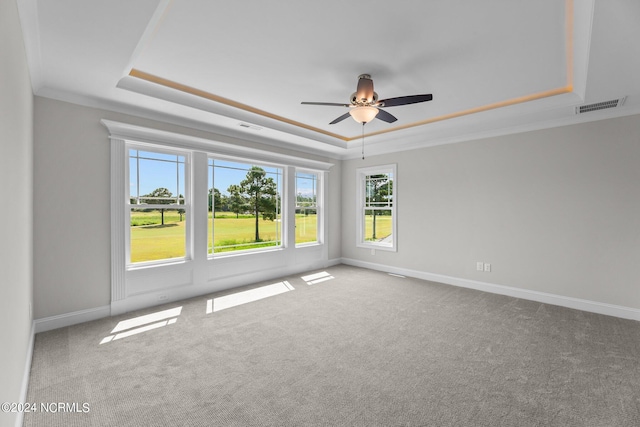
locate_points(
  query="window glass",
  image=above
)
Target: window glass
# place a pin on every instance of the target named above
(376, 207)
(157, 234)
(245, 206)
(157, 206)
(306, 208)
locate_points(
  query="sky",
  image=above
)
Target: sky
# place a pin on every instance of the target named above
(151, 170)
(227, 173)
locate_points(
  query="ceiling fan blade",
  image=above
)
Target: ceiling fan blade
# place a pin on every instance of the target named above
(385, 117)
(404, 100)
(339, 119)
(334, 104)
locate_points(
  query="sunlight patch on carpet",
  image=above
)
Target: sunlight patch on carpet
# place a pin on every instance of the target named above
(140, 324)
(312, 279)
(244, 297)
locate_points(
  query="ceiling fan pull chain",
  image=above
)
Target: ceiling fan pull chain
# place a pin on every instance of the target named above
(363, 140)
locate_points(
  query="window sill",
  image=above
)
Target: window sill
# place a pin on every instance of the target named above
(380, 247)
(244, 253)
(308, 245)
(154, 264)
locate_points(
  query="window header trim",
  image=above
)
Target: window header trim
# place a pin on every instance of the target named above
(143, 135)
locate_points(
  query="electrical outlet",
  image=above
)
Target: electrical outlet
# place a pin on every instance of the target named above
(487, 267)
(373, 251)
(162, 297)
(479, 266)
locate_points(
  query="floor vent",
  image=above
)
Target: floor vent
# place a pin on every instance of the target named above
(600, 105)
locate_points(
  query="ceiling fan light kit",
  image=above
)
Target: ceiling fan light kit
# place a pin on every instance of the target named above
(363, 113)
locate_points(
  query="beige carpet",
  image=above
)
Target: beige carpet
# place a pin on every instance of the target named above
(361, 348)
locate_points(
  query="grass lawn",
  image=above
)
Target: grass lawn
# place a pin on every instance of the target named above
(151, 241)
(140, 217)
(383, 227)
(233, 233)
(306, 228)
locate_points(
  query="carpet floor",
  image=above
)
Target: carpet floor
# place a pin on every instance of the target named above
(348, 347)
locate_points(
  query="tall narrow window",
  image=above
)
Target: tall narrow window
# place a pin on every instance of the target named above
(245, 206)
(158, 205)
(306, 207)
(377, 207)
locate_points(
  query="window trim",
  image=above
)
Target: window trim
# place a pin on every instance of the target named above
(361, 174)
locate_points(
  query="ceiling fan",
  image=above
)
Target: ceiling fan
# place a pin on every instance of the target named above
(365, 105)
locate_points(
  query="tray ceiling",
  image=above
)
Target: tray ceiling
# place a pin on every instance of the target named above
(491, 65)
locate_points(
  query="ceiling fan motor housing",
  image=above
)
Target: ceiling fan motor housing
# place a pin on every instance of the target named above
(355, 101)
(364, 94)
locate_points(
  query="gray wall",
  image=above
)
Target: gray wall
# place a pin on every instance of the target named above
(555, 211)
(16, 169)
(71, 204)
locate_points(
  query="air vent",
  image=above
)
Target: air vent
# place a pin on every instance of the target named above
(600, 105)
(248, 126)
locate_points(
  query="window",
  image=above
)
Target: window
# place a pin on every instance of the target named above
(376, 209)
(158, 205)
(306, 207)
(245, 206)
(164, 241)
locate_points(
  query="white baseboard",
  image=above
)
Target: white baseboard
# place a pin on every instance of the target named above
(333, 262)
(26, 374)
(73, 318)
(68, 319)
(553, 299)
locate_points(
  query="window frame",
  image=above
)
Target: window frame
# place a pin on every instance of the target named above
(135, 287)
(319, 208)
(361, 208)
(186, 206)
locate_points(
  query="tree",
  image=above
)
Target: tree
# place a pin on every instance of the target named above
(304, 203)
(270, 203)
(261, 193)
(215, 201)
(237, 202)
(224, 202)
(181, 202)
(160, 196)
(379, 193)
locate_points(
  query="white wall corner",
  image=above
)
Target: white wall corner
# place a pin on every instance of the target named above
(333, 262)
(24, 388)
(582, 27)
(28, 12)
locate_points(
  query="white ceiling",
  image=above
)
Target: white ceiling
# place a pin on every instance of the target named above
(493, 66)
